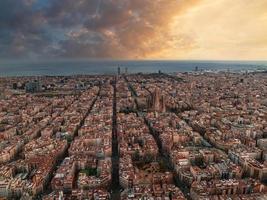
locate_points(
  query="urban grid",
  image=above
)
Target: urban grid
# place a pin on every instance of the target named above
(194, 135)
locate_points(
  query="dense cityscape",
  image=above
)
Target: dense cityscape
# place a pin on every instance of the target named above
(194, 135)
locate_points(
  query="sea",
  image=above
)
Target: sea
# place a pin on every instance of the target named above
(97, 67)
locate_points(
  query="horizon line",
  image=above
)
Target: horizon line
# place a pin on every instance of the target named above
(129, 60)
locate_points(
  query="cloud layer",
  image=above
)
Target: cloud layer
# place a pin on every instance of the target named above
(94, 28)
(129, 29)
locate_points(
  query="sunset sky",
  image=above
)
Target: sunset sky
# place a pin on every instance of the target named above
(134, 29)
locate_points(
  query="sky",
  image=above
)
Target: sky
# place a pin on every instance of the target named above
(134, 29)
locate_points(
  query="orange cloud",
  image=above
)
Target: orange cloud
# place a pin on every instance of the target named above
(132, 29)
(226, 29)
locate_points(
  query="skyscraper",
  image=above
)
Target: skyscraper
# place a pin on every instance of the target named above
(119, 71)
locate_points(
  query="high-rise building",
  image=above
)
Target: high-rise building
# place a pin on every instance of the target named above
(119, 71)
(33, 86)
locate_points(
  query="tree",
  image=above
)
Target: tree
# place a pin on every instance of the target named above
(136, 155)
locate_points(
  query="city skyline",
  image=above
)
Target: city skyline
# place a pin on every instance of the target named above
(183, 136)
(161, 29)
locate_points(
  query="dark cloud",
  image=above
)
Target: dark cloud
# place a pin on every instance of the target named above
(88, 28)
(22, 31)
